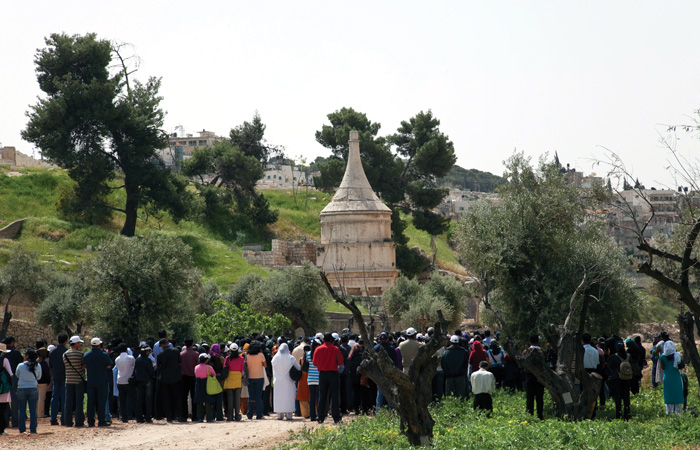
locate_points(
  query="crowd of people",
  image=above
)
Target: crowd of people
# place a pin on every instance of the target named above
(310, 377)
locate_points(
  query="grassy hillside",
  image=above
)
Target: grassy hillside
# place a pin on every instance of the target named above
(63, 243)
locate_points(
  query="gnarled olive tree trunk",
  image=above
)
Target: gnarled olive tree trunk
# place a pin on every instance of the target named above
(409, 393)
(570, 401)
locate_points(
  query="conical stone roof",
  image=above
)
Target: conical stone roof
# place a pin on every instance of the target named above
(355, 193)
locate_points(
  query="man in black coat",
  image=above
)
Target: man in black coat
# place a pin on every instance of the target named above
(169, 375)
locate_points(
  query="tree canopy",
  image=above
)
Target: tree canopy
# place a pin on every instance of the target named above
(295, 292)
(96, 123)
(22, 275)
(531, 251)
(225, 175)
(138, 285)
(408, 300)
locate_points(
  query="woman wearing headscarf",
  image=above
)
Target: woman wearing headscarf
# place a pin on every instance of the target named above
(285, 390)
(203, 401)
(673, 382)
(477, 355)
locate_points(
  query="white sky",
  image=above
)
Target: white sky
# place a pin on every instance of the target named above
(539, 76)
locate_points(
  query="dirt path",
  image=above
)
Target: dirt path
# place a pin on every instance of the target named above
(255, 434)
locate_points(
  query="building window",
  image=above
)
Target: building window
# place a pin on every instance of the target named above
(202, 143)
(268, 177)
(192, 143)
(183, 143)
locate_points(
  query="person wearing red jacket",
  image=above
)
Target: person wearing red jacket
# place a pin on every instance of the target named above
(329, 361)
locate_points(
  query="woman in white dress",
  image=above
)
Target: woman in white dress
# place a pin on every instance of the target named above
(285, 390)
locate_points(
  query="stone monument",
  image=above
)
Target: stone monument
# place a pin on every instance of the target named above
(356, 250)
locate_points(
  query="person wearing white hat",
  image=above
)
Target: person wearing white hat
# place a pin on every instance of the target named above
(99, 372)
(409, 348)
(75, 383)
(455, 362)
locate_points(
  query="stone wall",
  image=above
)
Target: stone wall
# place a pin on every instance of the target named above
(11, 230)
(26, 333)
(283, 253)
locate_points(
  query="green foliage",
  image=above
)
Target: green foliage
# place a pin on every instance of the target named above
(296, 292)
(21, 275)
(94, 124)
(471, 179)
(230, 202)
(457, 426)
(532, 250)
(229, 321)
(409, 300)
(62, 308)
(242, 292)
(138, 285)
(32, 194)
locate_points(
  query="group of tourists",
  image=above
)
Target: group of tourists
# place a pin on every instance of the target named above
(310, 377)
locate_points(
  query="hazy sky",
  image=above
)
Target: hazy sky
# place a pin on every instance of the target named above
(571, 77)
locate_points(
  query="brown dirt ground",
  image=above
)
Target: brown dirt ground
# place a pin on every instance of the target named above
(253, 434)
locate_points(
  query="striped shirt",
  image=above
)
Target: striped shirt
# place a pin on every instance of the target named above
(313, 371)
(73, 360)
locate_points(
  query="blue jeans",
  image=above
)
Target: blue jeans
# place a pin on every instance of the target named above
(58, 400)
(27, 396)
(255, 388)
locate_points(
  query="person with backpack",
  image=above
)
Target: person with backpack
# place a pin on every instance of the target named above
(620, 375)
(5, 386)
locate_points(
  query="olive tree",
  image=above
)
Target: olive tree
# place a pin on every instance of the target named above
(545, 265)
(141, 284)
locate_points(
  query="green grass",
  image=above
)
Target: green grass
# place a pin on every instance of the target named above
(657, 309)
(63, 244)
(510, 427)
(33, 194)
(445, 256)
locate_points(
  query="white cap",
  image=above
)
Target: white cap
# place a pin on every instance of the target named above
(50, 348)
(319, 336)
(454, 339)
(75, 339)
(95, 341)
(411, 331)
(336, 336)
(419, 336)
(233, 347)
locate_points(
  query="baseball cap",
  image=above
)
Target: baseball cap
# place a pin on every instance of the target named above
(94, 341)
(454, 339)
(419, 336)
(50, 348)
(319, 336)
(233, 347)
(336, 336)
(383, 335)
(411, 331)
(75, 339)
